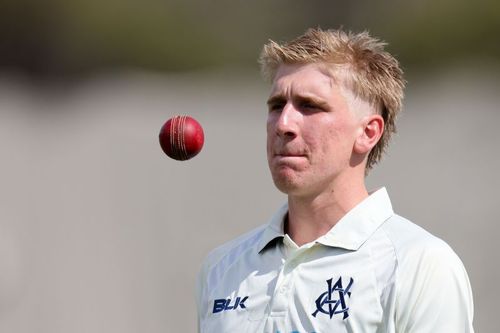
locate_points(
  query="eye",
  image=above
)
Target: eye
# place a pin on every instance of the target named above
(309, 106)
(278, 106)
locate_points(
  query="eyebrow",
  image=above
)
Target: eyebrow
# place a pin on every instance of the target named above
(313, 100)
(277, 99)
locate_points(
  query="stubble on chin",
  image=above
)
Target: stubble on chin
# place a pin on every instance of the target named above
(286, 181)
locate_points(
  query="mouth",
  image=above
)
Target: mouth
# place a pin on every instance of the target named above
(288, 157)
(289, 154)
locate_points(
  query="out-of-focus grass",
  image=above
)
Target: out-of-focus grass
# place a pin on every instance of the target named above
(79, 36)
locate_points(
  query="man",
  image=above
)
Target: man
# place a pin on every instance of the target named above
(335, 258)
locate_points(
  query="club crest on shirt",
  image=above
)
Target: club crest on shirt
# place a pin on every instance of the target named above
(333, 300)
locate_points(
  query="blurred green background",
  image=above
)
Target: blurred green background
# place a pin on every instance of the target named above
(60, 38)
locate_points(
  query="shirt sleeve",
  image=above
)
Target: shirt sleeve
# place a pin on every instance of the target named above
(200, 292)
(433, 292)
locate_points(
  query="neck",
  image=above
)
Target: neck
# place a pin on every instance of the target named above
(313, 216)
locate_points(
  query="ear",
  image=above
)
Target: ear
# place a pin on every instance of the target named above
(372, 128)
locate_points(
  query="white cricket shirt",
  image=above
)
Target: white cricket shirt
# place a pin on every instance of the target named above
(374, 271)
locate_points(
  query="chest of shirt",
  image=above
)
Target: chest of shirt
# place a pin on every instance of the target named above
(310, 291)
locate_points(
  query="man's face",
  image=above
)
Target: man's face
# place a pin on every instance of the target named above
(311, 130)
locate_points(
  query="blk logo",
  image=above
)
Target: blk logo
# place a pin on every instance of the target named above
(332, 301)
(225, 304)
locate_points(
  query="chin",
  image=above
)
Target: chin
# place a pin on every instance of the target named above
(288, 180)
(286, 185)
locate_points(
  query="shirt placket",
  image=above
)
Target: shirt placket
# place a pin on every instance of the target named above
(282, 298)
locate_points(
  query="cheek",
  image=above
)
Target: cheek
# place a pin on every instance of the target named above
(270, 135)
(335, 142)
(270, 124)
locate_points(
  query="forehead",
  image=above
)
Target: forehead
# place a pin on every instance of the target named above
(303, 78)
(318, 80)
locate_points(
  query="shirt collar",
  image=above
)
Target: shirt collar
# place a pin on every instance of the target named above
(274, 228)
(350, 232)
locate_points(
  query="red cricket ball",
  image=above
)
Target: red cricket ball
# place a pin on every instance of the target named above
(181, 137)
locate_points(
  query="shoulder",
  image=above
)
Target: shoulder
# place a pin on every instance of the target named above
(430, 277)
(418, 252)
(410, 240)
(231, 250)
(222, 257)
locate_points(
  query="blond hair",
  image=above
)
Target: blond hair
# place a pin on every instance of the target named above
(372, 73)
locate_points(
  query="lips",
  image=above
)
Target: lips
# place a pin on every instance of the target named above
(286, 156)
(289, 153)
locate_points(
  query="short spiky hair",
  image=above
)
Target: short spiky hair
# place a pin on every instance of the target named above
(372, 73)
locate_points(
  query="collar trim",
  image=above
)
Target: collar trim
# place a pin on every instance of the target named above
(350, 232)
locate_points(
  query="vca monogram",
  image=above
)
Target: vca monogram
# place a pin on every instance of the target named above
(333, 301)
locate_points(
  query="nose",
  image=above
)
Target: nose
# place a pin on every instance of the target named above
(287, 122)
